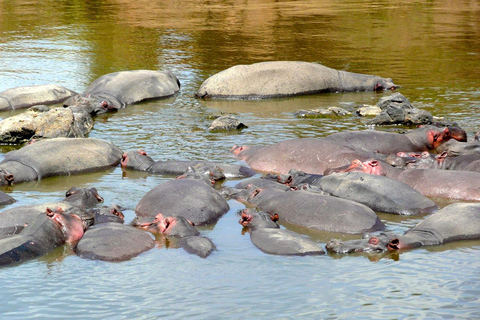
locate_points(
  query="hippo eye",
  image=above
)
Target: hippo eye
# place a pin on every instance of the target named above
(255, 193)
(373, 240)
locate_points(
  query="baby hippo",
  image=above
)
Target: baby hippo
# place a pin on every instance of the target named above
(179, 227)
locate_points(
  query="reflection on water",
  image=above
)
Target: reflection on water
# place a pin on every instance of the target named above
(430, 48)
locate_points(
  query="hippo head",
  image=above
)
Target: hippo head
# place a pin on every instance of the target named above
(83, 197)
(136, 160)
(369, 243)
(111, 214)
(71, 225)
(256, 220)
(238, 150)
(205, 172)
(385, 84)
(370, 166)
(419, 160)
(170, 226)
(5, 178)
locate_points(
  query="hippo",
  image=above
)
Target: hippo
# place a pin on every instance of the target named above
(183, 230)
(6, 199)
(76, 201)
(28, 96)
(267, 236)
(376, 192)
(436, 183)
(275, 79)
(113, 241)
(190, 198)
(58, 156)
(46, 232)
(455, 222)
(114, 91)
(139, 160)
(40, 122)
(314, 211)
(108, 214)
(459, 148)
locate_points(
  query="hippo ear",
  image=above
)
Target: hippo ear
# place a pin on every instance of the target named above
(393, 244)
(142, 152)
(446, 132)
(49, 212)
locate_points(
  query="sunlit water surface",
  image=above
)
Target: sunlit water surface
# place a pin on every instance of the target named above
(429, 48)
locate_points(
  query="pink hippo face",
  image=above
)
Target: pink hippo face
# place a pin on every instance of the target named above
(170, 226)
(71, 225)
(370, 166)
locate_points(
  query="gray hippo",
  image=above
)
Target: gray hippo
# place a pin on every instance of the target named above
(45, 233)
(114, 91)
(459, 148)
(108, 214)
(76, 201)
(267, 236)
(41, 122)
(182, 230)
(316, 155)
(193, 199)
(436, 183)
(379, 193)
(139, 160)
(313, 210)
(457, 221)
(276, 79)
(59, 156)
(28, 96)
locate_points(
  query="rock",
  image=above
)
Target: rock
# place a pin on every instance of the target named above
(318, 113)
(226, 123)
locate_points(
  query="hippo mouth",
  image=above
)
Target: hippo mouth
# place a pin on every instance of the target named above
(245, 218)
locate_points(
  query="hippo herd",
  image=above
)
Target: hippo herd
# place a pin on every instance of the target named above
(336, 183)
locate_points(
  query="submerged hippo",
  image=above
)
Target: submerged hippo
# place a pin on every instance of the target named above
(59, 156)
(376, 192)
(314, 211)
(77, 200)
(28, 96)
(190, 198)
(275, 79)
(457, 221)
(114, 91)
(183, 230)
(47, 232)
(269, 238)
(139, 160)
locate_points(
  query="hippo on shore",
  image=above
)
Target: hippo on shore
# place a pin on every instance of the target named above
(114, 91)
(29, 96)
(457, 221)
(276, 79)
(59, 156)
(182, 230)
(314, 211)
(267, 236)
(139, 160)
(46, 232)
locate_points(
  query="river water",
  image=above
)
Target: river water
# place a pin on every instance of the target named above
(430, 48)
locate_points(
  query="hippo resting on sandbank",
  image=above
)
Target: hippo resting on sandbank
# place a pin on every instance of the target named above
(29, 96)
(313, 211)
(182, 230)
(376, 192)
(45, 233)
(139, 160)
(455, 222)
(193, 199)
(276, 79)
(267, 236)
(59, 156)
(436, 183)
(76, 201)
(114, 91)
(316, 155)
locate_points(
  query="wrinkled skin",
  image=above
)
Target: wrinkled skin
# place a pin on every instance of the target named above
(190, 198)
(139, 160)
(58, 156)
(46, 232)
(315, 211)
(276, 79)
(458, 221)
(436, 183)
(375, 191)
(114, 91)
(28, 96)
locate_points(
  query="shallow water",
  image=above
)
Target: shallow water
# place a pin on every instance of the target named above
(430, 48)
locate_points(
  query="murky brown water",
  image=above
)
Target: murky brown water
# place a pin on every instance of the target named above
(430, 48)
